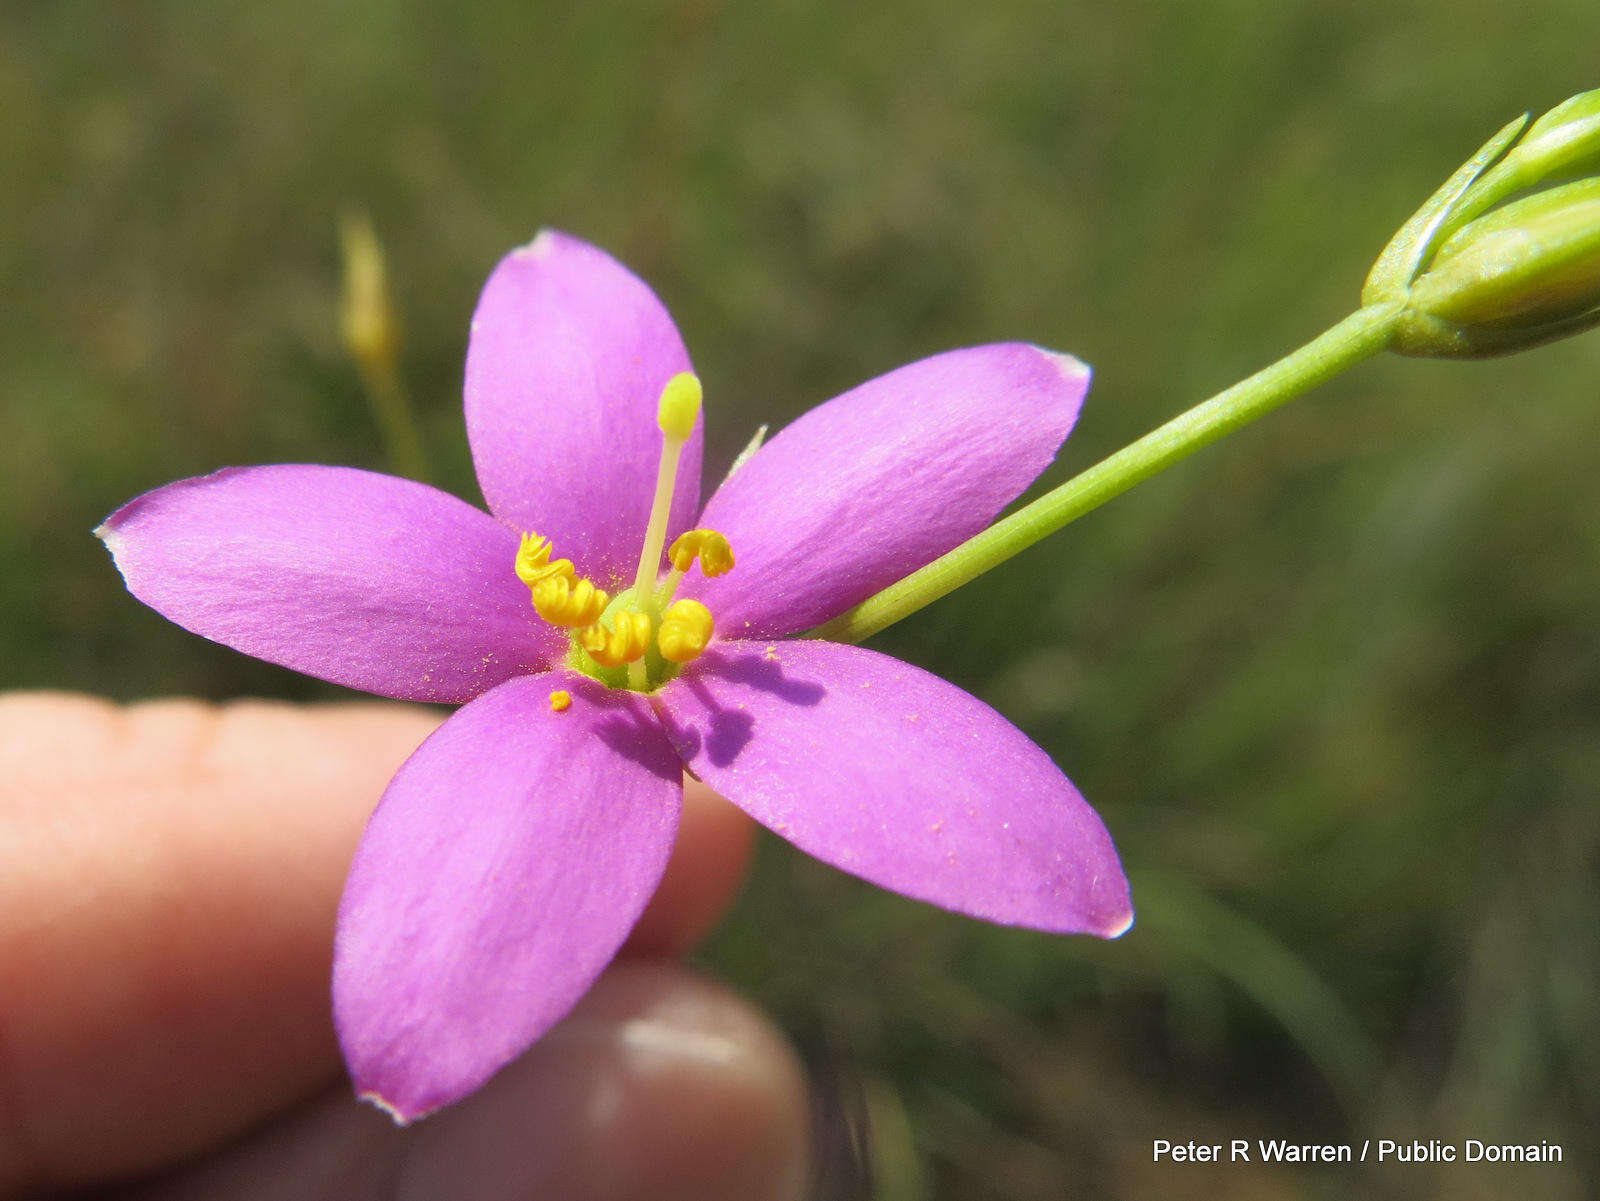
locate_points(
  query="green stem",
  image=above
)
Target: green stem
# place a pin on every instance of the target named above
(396, 423)
(1357, 338)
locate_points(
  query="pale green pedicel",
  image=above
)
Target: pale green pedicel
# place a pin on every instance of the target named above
(1358, 337)
(1504, 256)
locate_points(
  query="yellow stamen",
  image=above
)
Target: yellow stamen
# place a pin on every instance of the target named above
(533, 561)
(716, 556)
(564, 601)
(624, 642)
(676, 414)
(560, 700)
(710, 547)
(685, 631)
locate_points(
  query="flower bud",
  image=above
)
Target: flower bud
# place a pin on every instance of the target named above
(1505, 255)
(367, 318)
(1534, 260)
(1563, 144)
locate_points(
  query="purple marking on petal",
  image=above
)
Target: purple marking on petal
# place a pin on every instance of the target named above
(502, 870)
(568, 356)
(869, 487)
(896, 776)
(366, 580)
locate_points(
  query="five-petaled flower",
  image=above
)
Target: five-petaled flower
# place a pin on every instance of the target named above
(513, 852)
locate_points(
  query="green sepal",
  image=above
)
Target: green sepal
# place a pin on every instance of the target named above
(1423, 337)
(1403, 257)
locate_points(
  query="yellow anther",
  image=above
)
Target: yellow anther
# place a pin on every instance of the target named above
(680, 405)
(564, 601)
(685, 631)
(533, 561)
(715, 554)
(560, 700)
(624, 642)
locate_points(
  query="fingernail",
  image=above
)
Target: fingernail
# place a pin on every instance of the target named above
(661, 1085)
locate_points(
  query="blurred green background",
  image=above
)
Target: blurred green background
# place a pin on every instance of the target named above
(1334, 683)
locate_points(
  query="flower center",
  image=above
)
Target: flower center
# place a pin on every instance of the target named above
(639, 638)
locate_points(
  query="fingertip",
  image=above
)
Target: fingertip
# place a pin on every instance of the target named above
(168, 878)
(660, 1086)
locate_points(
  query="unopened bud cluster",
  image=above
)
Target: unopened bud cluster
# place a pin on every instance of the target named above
(1506, 255)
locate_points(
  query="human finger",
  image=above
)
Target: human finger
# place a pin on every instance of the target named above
(169, 874)
(660, 1085)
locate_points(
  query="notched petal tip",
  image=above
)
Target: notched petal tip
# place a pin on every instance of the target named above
(107, 535)
(1073, 369)
(541, 244)
(111, 538)
(1118, 928)
(394, 1112)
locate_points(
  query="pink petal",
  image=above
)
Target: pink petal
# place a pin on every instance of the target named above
(569, 353)
(873, 485)
(503, 868)
(366, 580)
(894, 775)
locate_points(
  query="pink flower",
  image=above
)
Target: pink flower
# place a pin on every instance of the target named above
(511, 855)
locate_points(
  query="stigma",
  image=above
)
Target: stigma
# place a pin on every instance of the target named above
(676, 414)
